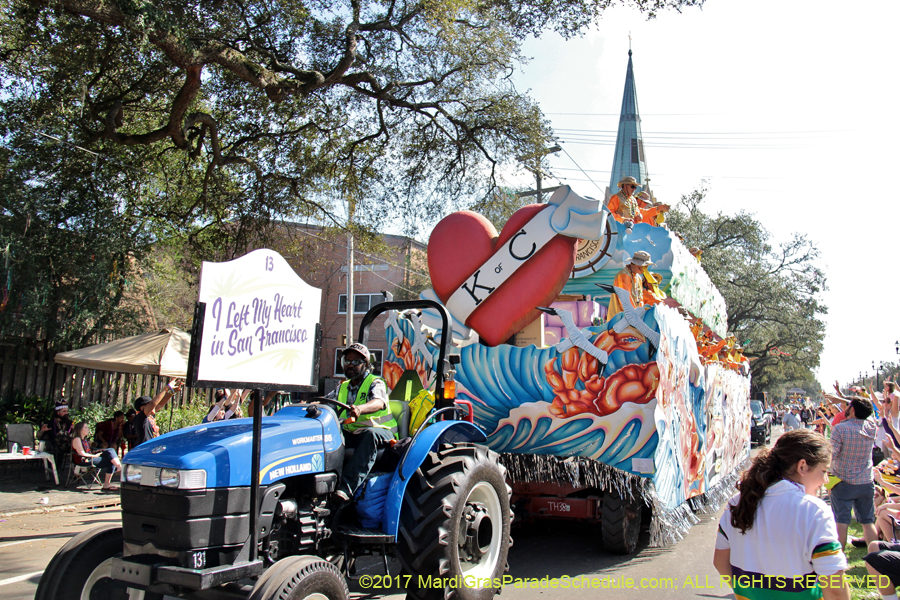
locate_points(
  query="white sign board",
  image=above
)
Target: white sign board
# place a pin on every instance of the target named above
(259, 324)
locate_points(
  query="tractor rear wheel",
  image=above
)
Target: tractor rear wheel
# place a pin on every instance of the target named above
(621, 522)
(454, 525)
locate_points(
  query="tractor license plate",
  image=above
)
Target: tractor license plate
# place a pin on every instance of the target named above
(573, 508)
(130, 572)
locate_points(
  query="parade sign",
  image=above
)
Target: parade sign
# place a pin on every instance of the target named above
(258, 326)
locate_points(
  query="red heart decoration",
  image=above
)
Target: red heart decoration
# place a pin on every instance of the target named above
(463, 241)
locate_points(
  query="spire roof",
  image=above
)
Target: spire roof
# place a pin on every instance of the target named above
(629, 156)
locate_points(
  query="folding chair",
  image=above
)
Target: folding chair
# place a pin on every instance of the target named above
(85, 474)
(21, 434)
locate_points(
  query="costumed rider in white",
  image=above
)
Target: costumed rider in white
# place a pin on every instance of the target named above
(372, 427)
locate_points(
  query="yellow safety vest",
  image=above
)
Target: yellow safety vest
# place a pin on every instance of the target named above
(382, 418)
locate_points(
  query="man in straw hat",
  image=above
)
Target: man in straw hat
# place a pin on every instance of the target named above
(623, 205)
(652, 212)
(631, 278)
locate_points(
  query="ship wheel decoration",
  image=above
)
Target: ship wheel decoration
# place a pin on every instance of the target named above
(591, 255)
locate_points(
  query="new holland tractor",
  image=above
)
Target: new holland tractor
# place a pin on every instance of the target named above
(246, 509)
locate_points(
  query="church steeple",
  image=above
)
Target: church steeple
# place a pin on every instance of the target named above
(629, 154)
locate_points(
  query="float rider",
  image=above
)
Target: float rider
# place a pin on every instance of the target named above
(370, 425)
(623, 206)
(652, 212)
(631, 279)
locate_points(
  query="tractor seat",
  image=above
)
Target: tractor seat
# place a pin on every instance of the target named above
(400, 410)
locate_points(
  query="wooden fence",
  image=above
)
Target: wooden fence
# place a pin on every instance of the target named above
(29, 368)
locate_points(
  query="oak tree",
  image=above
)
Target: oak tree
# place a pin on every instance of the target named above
(773, 293)
(208, 122)
(283, 108)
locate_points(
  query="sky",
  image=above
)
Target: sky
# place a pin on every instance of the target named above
(787, 108)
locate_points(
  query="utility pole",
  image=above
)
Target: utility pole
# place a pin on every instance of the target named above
(350, 302)
(538, 178)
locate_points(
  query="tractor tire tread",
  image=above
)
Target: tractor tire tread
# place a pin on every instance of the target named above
(616, 538)
(58, 581)
(427, 508)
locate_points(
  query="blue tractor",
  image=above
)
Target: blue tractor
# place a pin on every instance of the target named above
(188, 530)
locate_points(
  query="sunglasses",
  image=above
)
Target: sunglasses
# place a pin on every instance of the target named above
(353, 363)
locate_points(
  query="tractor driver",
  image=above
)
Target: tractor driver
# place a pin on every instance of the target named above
(374, 426)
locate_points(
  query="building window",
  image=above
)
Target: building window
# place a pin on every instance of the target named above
(361, 303)
(377, 361)
(634, 151)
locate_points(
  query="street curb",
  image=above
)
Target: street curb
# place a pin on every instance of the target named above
(64, 507)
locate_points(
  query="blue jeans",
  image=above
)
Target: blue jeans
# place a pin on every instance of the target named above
(365, 450)
(104, 462)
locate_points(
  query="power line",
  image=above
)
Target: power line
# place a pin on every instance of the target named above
(391, 282)
(652, 133)
(583, 171)
(690, 146)
(571, 169)
(644, 114)
(372, 256)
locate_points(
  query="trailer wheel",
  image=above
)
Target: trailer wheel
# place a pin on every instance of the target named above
(81, 569)
(454, 524)
(301, 578)
(621, 523)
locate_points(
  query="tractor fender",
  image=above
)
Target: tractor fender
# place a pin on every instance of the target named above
(442, 432)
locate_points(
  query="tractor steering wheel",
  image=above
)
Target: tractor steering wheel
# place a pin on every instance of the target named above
(337, 403)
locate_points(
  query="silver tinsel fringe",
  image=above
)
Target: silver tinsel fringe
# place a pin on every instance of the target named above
(668, 525)
(575, 471)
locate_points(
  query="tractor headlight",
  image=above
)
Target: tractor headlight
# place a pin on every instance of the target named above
(165, 477)
(168, 478)
(194, 479)
(131, 473)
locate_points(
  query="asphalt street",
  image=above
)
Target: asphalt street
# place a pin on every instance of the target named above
(547, 560)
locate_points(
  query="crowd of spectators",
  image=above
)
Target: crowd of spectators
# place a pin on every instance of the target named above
(126, 430)
(848, 445)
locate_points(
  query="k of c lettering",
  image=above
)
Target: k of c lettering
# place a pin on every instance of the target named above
(475, 286)
(513, 253)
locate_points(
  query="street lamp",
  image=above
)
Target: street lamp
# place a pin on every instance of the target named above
(877, 373)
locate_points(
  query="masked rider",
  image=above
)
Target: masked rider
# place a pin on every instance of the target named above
(374, 426)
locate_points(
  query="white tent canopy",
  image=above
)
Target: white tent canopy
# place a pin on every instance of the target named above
(164, 353)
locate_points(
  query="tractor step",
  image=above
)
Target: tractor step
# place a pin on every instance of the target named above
(358, 535)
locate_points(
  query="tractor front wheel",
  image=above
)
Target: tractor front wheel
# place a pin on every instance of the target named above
(454, 525)
(301, 578)
(82, 568)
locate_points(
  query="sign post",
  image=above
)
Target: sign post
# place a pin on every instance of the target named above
(255, 327)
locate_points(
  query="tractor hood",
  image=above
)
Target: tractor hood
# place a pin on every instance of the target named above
(292, 444)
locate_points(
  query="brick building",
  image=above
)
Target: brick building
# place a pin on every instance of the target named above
(320, 258)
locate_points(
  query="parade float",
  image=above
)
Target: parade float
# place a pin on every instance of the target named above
(597, 416)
